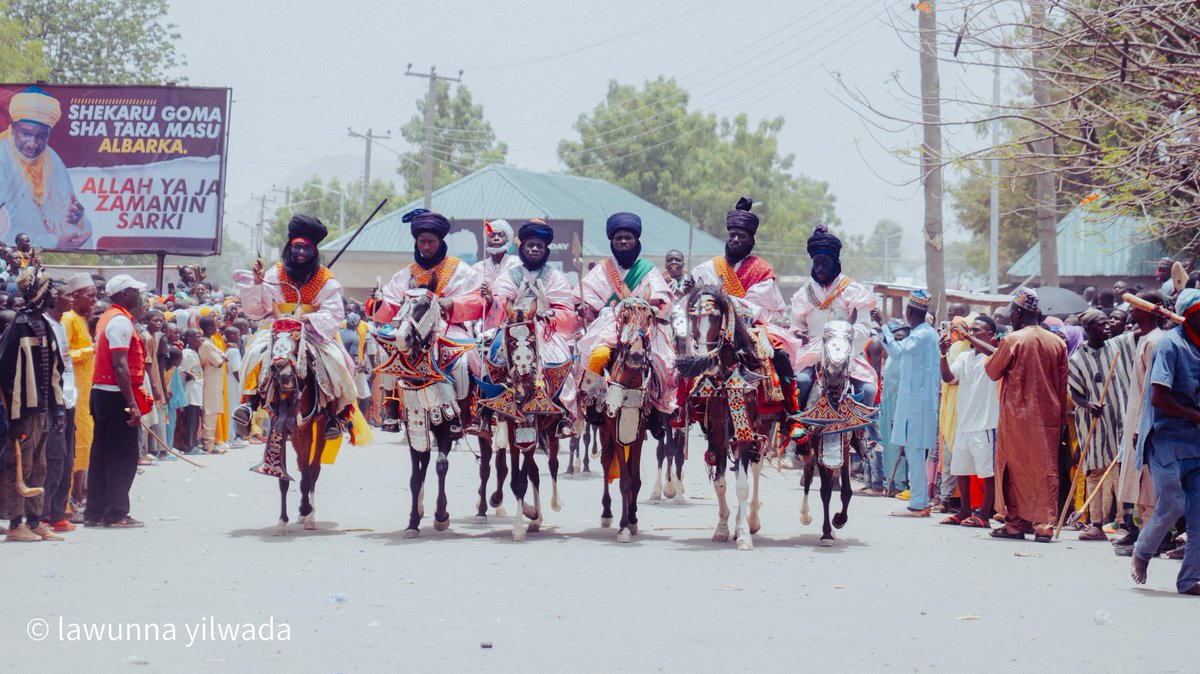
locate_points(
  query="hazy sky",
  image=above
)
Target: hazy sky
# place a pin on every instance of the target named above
(302, 72)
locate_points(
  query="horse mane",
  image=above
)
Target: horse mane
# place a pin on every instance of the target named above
(743, 344)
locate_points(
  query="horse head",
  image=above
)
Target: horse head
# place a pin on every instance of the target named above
(418, 319)
(635, 320)
(285, 376)
(837, 342)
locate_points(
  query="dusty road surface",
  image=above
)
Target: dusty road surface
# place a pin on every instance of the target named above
(356, 596)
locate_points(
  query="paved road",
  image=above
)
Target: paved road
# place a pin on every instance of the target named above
(355, 596)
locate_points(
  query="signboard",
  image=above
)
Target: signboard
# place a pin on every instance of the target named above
(113, 169)
(466, 241)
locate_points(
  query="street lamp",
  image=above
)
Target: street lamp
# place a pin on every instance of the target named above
(341, 207)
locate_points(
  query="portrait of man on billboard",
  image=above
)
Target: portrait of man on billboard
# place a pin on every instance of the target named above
(36, 194)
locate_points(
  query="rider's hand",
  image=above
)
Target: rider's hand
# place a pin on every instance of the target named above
(258, 271)
(876, 316)
(485, 292)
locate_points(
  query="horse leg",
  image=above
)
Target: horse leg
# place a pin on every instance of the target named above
(572, 453)
(678, 458)
(309, 467)
(741, 473)
(624, 486)
(552, 447)
(533, 512)
(722, 532)
(441, 518)
(839, 520)
(807, 464)
(755, 474)
(660, 454)
(281, 525)
(826, 493)
(485, 473)
(519, 485)
(635, 481)
(497, 500)
(416, 488)
(607, 456)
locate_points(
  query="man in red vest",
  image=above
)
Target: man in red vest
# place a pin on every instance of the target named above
(117, 404)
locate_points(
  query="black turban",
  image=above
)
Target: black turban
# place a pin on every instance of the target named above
(422, 220)
(741, 217)
(823, 243)
(629, 222)
(306, 227)
(536, 229)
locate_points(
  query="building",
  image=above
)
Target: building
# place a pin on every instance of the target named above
(516, 195)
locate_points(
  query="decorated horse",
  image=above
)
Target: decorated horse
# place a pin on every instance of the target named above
(432, 383)
(836, 421)
(493, 446)
(672, 439)
(619, 400)
(734, 395)
(522, 393)
(293, 386)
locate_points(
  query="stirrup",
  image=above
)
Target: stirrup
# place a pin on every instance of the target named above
(241, 418)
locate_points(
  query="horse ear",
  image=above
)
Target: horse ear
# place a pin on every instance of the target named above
(412, 283)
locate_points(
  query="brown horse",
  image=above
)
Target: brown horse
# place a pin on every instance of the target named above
(288, 386)
(672, 445)
(527, 414)
(625, 411)
(726, 378)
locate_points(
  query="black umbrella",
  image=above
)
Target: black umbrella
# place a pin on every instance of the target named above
(1055, 301)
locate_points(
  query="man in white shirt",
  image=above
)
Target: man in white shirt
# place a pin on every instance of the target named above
(978, 416)
(193, 389)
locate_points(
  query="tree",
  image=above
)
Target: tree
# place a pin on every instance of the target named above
(20, 56)
(877, 256)
(697, 165)
(101, 41)
(323, 204)
(463, 141)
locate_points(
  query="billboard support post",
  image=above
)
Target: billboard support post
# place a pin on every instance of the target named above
(158, 273)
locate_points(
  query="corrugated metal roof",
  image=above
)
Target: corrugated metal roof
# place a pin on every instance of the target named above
(1094, 245)
(498, 191)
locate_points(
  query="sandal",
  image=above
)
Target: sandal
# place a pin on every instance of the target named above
(1003, 532)
(953, 519)
(975, 522)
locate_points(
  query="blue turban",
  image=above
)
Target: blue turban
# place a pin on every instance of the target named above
(629, 222)
(423, 220)
(1188, 300)
(741, 217)
(536, 228)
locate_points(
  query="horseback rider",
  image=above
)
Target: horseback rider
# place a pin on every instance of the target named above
(298, 283)
(453, 282)
(626, 274)
(749, 281)
(534, 276)
(831, 295)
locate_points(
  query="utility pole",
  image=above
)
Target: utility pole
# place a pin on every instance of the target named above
(931, 158)
(287, 194)
(368, 136)
(430, 99)
(994, 224)
(1043, 180)
(262, 214)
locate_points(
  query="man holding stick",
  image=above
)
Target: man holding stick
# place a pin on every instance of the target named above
(1166, 442)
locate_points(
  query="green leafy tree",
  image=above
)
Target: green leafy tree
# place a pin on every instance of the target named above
(101, 41)
(20, 56)
(876, 257)
(696, 165)
(463, 140)
(324, 200)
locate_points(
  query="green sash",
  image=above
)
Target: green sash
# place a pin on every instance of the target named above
(632, 278)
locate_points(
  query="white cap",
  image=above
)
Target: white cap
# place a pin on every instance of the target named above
(122, 282)
(80, 281)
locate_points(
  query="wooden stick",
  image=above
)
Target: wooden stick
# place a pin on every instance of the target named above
(1156, 309)
(1083, 448)
(172, 449)
(22, 489)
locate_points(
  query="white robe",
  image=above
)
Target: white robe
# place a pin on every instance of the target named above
(809, 320)
(43, 223)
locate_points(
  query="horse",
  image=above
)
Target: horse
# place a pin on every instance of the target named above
(835, 422)
(729, 398)
(522, 394)
(431, 380)
(672, 446)
(493, 444)
(622, 396)
(289, 388)
(582, 449)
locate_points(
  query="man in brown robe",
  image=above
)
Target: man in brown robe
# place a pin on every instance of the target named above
(1031, 366)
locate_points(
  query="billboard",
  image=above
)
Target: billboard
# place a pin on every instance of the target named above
(466, 241)
(113, 169)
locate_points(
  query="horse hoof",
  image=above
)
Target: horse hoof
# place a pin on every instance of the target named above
(624, 536)
(745, 543)
(518, 536)
(534, 527)
(411, 533)
(530, 511)
(281, 528)
(479, 519)
(656, 495)
(679, 499)
(721, 535)
(555, 504)
(827, 542)
(669, 490)
(501, 512)
(839, 520)
(755, 524)
(805, 519)
(606, 522)
(310, 522)
(441, 526)
(633, 529)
